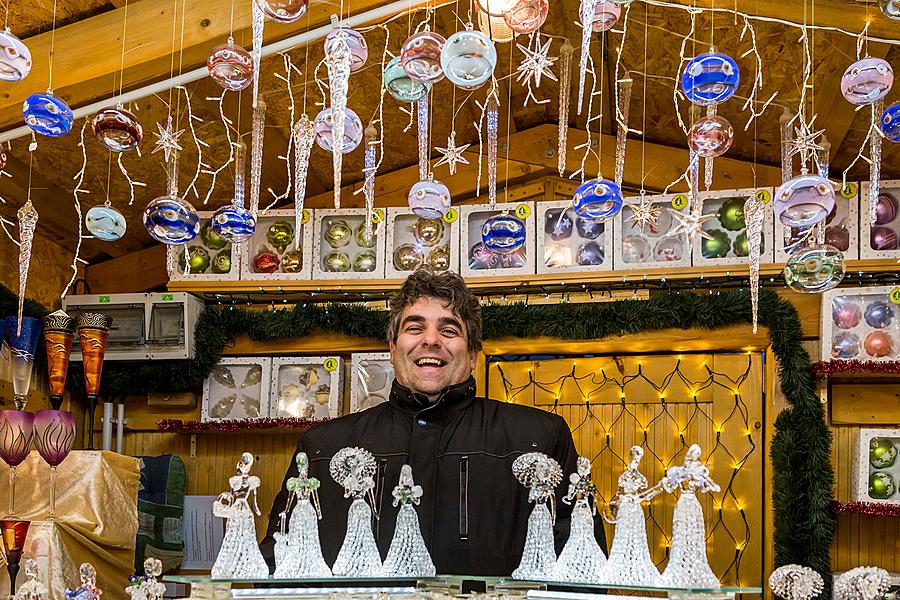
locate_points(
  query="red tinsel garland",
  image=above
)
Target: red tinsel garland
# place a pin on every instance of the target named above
(827, 368)
(868, 508)
(179, 426)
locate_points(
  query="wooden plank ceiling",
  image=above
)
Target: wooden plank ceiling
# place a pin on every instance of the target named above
(163, 38)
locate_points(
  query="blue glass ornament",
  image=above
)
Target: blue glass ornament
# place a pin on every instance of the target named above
(597, 200)
(171, 220)
(710, 78)
(589, 254)
(554, 227)
(503, 234)
(890, 122)
(47, 115)
(879, 314)
(233, 223)
(105, 223)
(589, 230)
(845, 345)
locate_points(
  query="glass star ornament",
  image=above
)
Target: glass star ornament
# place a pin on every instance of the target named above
(597, 200)
(867, 81)
(408, 556)
(47, 114)
(354, 470)
(710, 78)
(536, 63)
(15, 57)
(795, 582)
(581, 559)
(644, 215)
(540, 474)
(689, 223)
(105, 222)
(167, 140)
(239, 557)
(117, 129)
(805, 143)
(452, 155)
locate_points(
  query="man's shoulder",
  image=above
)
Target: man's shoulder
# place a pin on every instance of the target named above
(521, 413)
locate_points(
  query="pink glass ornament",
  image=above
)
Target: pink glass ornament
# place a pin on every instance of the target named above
(283, 11)
(606, 14)
(421, 56)
(15, 57)
(879, 344)
(710, 136)
(353, 130)
(526, 16)
(230, 66)
(847, 315)
(359, 50)
(867, 81)
(429, 199)
(885, 209)
(3, 158)
(804, 200)
(117, 129)
(883, 238)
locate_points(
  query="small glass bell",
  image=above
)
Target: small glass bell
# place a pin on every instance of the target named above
(171, 220)
(353, 130)
(359, 50)
(47, 115)
(526, 16)
(233, 223)
(503, 234)
(710, 78)
(804, 201)
(597, 200)
(710, 136)
(606, 15)
(468, 58)
(867, 81)
(400, 85)
(105, 223)
(117, 129)
(421, 56)
(429, 199)
(814, 269)
(15, 57)
(230, 66)
(283, 11)
(890, 122)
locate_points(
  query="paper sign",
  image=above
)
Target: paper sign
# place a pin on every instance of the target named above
(202, 532)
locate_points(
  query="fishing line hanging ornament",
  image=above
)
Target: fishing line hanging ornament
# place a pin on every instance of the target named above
(710, 78)
(170, 219)
(422, 135)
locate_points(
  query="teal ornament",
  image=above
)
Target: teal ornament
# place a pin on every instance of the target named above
(105, 223)
(210, 238)
(171, 220)
(716, 247)
(731, 214)
(47, 115)
(400, 85)
(233, 223)
(221, 262)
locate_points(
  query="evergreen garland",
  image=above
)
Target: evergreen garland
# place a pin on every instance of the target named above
(801, 447)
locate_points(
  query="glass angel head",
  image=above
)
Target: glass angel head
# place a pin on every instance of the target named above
(245, 463)
(87, 574)
(354, 469)
(633, 481)
(153, 566)
(538, 472)
(302, 461)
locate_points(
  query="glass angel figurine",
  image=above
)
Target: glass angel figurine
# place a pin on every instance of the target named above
(408, 556)
(581, 560)
(298, 552)
(88, 589)
(541, 474)
(239, 557)
(629, 558)
(354, 469)
(147, 587)
(688, 565)
(33, 588)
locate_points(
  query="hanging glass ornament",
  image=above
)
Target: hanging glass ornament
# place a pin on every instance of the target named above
(439, 258)
(867, 81)
(365, 262)
(586, 15)
(890, 8)
(233, 223)
(27, 218)
(257, 139)
(468, 57)
(421, 56)
(710, 78)
(890, 122)
(338, 234)
(359, 50)
(15, 57)
(492, 116)
(370, 166)
(407, 257)
(597, 200)
(338, 61)
(429, 199)
(400, 85)
(283, 11)
(604, 17)
(526, 16)
(503, 234)
(105, 222)
(352, 130)
(422, 136)
(494, 8)
(814, 269)
(47, 115)
(230, 66)
(171, 220)
(565, 90)
(304, 138)
(710, 136)
(117, 129)
(266, 262)
(804, 201)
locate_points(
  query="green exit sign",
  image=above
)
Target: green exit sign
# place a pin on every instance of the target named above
(168, 297)
(103, 300)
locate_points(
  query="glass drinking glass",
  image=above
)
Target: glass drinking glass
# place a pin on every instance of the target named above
(14, 533)
(54, 434)
(16, 432)
(93, 333)
(59, 332)
(22, 343)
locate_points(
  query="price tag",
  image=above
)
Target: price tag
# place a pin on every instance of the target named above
(679, 202)
(378, 215)
(330, 364)
(764, 196)
(103, 299)
(523, 211)
(451, 215)
(304, 217)
(849, 190)
(895, 295)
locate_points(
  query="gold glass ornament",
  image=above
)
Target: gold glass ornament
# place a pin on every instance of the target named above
(428, 232)
(338, 234)
(439, 258)
(337, 262)
(365, 262)
(361, 237)
(407, 257)
(292, 261)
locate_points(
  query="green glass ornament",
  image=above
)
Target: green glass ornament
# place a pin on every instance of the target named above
(337, 262)
(210, 238)
(199, 260)
(718, 246)
(292, 261)
(882, 453)
(338, 234)
(361, 237)
(881, 486)
(365, 262)
(280, 235)
(741, 245)
(221, 262)
(731, 214)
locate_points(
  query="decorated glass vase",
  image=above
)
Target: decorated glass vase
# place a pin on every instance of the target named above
(93, 334)
(14, 534)
(54, 435)
(22, 343)
(59, 332)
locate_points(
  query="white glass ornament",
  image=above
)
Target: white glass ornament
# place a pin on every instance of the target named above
(468, 57)
(354, 469)
(301, 551)
(239, 557)
(540, 474)
(352, 134)
(581, 559)
(804, 201)
(15, 57)
(429, 198)
(408, 556)
(867, 81)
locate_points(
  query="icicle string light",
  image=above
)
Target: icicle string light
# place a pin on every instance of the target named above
(874, 162)
(304, 138)
(752, 100)
(708, 161)
(676, 89)
(565, 91)
(214, 173)
(286, 157)
(824, 158)
(79, 179)
(337, 60)
(422, 108)
(257, 135)
(200, 144)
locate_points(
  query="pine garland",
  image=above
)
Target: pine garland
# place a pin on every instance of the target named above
(801, 447)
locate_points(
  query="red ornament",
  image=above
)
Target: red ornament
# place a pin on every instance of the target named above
(879, 344)
(266, 262)
(828, 368)
(867, 508)
(179, 426)
(2, 159)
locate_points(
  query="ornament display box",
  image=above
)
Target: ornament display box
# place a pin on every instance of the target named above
(876, 466)
(573, 244)
(730, 245)
(841, 226)
(217, 260)
(476, 261)
(371, 375)
(861, 324)
(656, 247)
(412, 241)
(306, 387)
(338, 255)
(881, 240)
(279, 260)
(237, 388)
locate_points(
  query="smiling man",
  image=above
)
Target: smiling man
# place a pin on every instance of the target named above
(461, 447)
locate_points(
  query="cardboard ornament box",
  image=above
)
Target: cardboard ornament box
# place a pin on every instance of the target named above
(571, 244)
(476, 260)
(274, 253)
(340, 250)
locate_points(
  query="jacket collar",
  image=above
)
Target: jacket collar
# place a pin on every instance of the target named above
(452, 398)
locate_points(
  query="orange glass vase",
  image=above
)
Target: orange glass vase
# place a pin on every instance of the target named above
(93, 333)
(59, 332)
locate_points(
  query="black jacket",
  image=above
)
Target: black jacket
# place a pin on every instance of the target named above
(474, 512)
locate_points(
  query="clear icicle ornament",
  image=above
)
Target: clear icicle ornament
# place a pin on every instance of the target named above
(354, 469)
(259, 20)
(422, 108)
(565, 91)
(370, 165)
(708, 161)
(787, 136)
(540, 474)
(587, 19)
(874, 162)
(408, 556)
(629, 558)
(754, 215)
(239, 557)
(824, 157)
(304, 138)
(492, 107)
(299, 551)
(794, 582)
(257, 138)
(28, 218)
(337, 59)
(622, 127)
(581, 559)
(33, 588)
(862, 583)
(688, 565)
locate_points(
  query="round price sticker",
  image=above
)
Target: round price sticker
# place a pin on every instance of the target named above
(764, 196)
(451, 215)
(330, 364)
(895, 295)
(849, 190)
(679, 202)
(304, 218)
(523, 211)
(378, 215)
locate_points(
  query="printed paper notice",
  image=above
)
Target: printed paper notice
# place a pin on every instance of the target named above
(203, 533)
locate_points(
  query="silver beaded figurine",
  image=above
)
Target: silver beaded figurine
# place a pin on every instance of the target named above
(298, 552)
(239, 557)
(408, 556)
(354, 469)
(541, 474)
(581, 560)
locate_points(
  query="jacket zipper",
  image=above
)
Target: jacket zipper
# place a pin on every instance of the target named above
(464, 498)
(379, 490)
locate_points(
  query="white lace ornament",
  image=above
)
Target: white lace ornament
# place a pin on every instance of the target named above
(581, 559)
(541, 474)
(354, 469)
(239, 557)
(408, 556)
(795, 582)
(862, 583)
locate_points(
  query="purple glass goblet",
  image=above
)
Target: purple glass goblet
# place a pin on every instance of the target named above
(16, 433)
(54, 435)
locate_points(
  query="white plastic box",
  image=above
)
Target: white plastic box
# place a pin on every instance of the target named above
(855, 320)
(734, 249)
(573, 244)
(306, 387)
(259, 244)
(887, 230)
(472, 219)
(371, 377)
(876, 456)
(224, 257)
(655, 247)
(355, 218)
(238, 388)
(403, 227)
(841, 226)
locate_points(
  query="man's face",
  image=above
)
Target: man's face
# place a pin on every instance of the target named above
(431, 351)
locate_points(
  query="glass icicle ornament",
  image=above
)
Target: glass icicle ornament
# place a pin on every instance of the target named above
(492, 108)
(565, 91)
(259, 23)
(874, 163)
(862, 583)
(422, 135)
(754, 217)
(540, 474)
(304, 138)
(337, 59)
(28, 218)
(408, 556)
(622, 127)
(586, 15)
(257, 138)
(787, 159)
(354, 469)
(239, 557)
(581, 559)
(301, 550)
(688, 565)
(370, 165)
(795, 582)
(629, 558)
(33, 588)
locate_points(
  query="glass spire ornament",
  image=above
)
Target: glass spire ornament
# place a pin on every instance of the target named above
(629, 558)
(257, 139)
(88, 589)
(301, 551)
(422, 136)
(370, 165)
(33, 588)
(239, 557)
(586, 16)
(408, 556)
(354, 469)
(492, 112)
(688, 565)
(540, 474)
(337, 60)
(233, 222)
(28, 218)
(754, 218)
(862, 583)
(795, 582)
(304, 138)
(581, 559)
(15, 57)
(147, 587)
